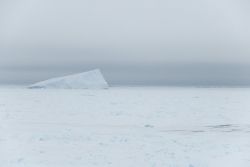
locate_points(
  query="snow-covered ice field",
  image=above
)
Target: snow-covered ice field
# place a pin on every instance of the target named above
(125, 127)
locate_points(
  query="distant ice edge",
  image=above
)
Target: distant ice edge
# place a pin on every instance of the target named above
(87, 80)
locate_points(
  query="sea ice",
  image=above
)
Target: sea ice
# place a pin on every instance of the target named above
(125, 127)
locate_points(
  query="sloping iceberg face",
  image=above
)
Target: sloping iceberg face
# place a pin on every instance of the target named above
(86, 80)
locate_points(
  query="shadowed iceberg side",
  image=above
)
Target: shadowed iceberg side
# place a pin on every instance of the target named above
(86, 80)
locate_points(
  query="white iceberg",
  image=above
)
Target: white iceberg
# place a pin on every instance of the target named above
(86, 80)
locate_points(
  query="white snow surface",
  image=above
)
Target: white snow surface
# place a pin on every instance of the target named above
(90, 79)
(125, 127)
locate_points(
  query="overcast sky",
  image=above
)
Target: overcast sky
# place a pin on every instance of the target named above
(177, 42)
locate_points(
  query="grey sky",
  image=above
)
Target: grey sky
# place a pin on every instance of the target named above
(132, 41)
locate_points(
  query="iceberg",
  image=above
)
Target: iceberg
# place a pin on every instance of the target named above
(86, 80)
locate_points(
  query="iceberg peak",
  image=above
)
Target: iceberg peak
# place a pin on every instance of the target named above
(87, 80)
